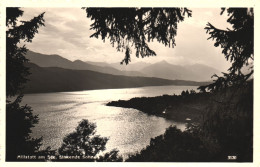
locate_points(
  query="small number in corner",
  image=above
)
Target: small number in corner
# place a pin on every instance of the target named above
(233, 157)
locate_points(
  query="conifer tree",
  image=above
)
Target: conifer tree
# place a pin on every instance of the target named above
(135, 27)
(19, 119)
(229, 121)
(237, 46)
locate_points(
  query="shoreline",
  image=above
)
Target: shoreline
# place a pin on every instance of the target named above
(179, 108)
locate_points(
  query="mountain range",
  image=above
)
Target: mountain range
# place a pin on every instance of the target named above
(44, 60)
(56, 79)
(195, 72)
(163, 69)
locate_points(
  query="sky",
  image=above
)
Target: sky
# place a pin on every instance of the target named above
(67, 33)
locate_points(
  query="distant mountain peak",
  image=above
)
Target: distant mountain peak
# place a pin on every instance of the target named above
(78, 61)
(163, 62)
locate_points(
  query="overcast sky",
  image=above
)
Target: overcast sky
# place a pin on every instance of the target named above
(66, 33)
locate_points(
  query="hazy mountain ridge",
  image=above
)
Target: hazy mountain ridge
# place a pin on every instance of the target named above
(55, 79)
(163, 69)
(195, 72)
(44, 60)
(138, 66)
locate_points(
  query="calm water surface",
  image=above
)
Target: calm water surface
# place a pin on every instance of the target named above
(129, 130)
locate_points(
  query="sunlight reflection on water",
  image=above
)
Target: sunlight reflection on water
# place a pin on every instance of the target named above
(129, 130)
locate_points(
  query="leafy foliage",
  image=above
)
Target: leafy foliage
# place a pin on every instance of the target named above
(111, 156)
(237, 46)
(173, 146)
(228, 124)
(84, 143)
(134, 27)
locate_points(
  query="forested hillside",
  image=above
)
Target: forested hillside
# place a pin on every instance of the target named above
(54, 79)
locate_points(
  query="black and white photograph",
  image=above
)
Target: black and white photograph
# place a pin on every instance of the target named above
(129, 84)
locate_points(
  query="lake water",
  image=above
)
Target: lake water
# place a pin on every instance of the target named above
(129, 130)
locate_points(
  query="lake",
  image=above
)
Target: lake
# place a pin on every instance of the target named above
(129, 130)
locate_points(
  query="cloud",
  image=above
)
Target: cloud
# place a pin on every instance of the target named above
(67, 33)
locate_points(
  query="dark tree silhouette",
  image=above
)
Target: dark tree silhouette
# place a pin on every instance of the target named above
(237, 46)
(173, 146)
(19, 119)
(135, 27)
(85, 144)
(228, 125)
(16, 33)
(229, 120)
(19, 122)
